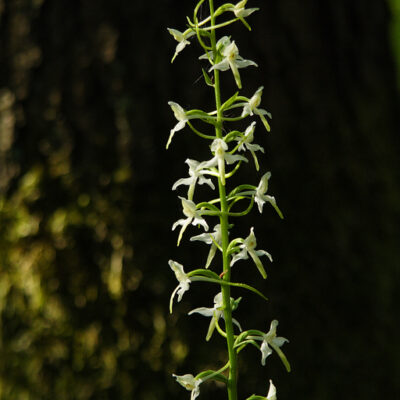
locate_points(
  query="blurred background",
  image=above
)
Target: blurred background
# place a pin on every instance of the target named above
(86, 206)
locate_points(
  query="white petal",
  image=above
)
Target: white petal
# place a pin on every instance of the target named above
(231, 158)
(254, 147)
(260, 111)
(240, 256)
(181, 221)
(263, 253)
(171, 299)
(200, 221)
(207, 312)
(188, 381)
(211, 255)
(279, 341)
(271, 392)
(181, 45)
(265, 352)
(260, 203)
(178, 36)
(185, 223)
(183, 181)
(246, 110)
(245, 63)
(204, 237)
(221, 66)
(207, 181)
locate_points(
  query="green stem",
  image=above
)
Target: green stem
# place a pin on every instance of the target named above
(225, 289)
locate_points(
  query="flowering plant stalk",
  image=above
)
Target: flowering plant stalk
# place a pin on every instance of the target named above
(225, 144)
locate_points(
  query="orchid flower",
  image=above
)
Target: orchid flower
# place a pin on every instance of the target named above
(251, 107)
(241, 12)
(246, 142)
(214, 239)
(181, 38)
(182, 118)
(189, 382)
(232, 59)
(248, 247)
(196, 171)
(220, 45)
(219, 147)
(193, 217)
(183, 279)
(260, 196)
(215, 313)
(270, 339)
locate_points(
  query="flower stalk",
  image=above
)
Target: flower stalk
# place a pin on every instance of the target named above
(222, 54)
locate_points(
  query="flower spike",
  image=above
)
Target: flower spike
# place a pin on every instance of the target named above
(230, 147)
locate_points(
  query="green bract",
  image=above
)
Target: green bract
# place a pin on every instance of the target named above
(225, 142)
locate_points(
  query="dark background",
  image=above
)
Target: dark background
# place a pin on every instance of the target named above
(86, 207)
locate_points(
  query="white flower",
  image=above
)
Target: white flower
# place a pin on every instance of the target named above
(251, 107)
(240, 11)
(196, 171)
(193, 216)
(189, 382)
(248, 247)
(232, 59)
(271, 392)
(219, 147)
(183, 279)
(246, 142)
(215, 313)
(181, 38)
(181, 116)
(270, 339)
(210, 238)
(260, 196)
